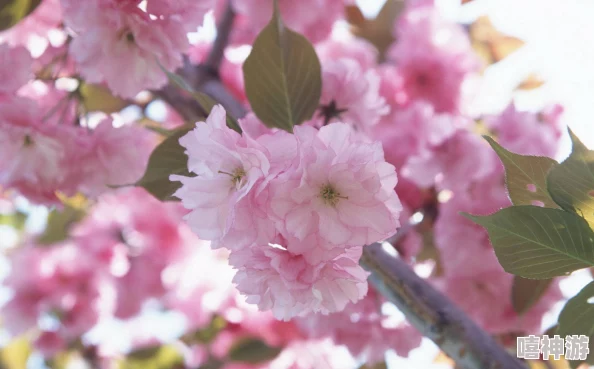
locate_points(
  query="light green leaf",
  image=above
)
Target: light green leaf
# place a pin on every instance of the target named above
(539, 243)
(157, 357)
(12, 11)
(205, 101)
(571, 183)
(252, 351)
(15, 354)
(60, 221)
(166, 159)
(527, 292)
(525, 176)
(283, 78)
(100, 98)
(577, 318)
(15, 220)
(205, 335)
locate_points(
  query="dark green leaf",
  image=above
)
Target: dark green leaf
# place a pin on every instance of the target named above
(252, 351)
(525, 176)
(571, 183)
(577, 318)
(282, 76)
(158, 357)
(526, 292)
(12, 11)
(205, 101)
(539, 243)
(378, 31)
(168, 158)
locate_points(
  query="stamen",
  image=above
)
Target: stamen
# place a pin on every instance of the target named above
(330, 195)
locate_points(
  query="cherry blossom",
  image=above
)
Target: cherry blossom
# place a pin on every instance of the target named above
(350, 95)
(342, 190)
(433, 58)
(312, 18)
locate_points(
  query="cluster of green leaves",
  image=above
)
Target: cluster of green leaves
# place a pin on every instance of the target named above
(547, 232)
(13, 11)
(283, 83)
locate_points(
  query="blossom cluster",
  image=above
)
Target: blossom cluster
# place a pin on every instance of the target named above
(295, 210)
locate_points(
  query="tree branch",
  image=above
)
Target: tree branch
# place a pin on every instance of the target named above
(205, 78)
(224, 27)
(433, 314)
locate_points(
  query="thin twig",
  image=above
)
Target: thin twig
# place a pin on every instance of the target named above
(213, 62)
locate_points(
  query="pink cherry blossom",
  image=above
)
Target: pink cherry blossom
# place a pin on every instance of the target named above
(228, 168)
(15, 68)
(275, 279)
(455, 164)
(528, 133)
(117, 156)
(306, 354)
(342, 190)
(434, 58)
(351, 94)
(353, 48)
(123, 46)
(134, 237)
(36, 155)
(312, 18)
(486, 298)
(57, 283)
(49, 343)
(364, 329)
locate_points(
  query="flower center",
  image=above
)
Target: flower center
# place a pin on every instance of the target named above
(330, 195)
(28, 141)
(236, 177)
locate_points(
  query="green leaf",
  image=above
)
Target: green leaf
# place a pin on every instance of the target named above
(100, 98)
(157, 357)
(539, 243)
(205, 101)
(577, 318)
(381, 365)
(527, 292)
(166, 159)
(252, 351)
(15, 220)
(571, 183)
(282, 76)
(15, 354)
(59, 221)
(525, 176)
(206, 334)
(378, 31)
(13, 11)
